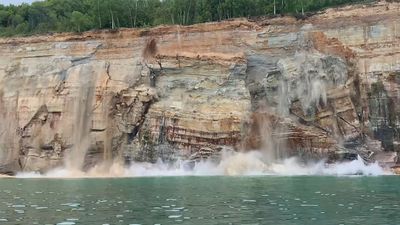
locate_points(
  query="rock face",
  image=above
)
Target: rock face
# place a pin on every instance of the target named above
(318, 87)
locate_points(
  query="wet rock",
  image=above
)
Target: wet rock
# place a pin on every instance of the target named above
(386, 159)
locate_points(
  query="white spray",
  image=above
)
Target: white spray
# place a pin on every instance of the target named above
(231, 164)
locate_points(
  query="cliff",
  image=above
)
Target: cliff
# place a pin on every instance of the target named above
(323, 87)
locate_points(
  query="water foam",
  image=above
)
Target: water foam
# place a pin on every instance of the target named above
(231, 164)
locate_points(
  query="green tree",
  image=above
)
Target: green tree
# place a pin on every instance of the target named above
(80, 21)
(4, 17)
(80, 15)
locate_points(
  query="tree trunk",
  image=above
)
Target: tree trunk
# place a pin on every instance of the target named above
(112, 20)
(188, 12)
(219, 10)
(98, 12)
(136, 10)
(130, 15)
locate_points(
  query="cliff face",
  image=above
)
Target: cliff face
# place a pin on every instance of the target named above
(325, 85)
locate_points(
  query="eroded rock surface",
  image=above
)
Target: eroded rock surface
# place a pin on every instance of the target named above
(327, 86)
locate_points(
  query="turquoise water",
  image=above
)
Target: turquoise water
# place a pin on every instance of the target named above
(202, 200)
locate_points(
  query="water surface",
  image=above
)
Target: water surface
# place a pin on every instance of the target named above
(202, 200)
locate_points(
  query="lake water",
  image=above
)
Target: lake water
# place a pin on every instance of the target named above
(202, 200)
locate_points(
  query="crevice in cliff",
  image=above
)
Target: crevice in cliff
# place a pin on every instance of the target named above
(139, 125)
(107, 68)
(309, 122)
(85, 59)
(130, 107)
(39, 117)
(350, 124)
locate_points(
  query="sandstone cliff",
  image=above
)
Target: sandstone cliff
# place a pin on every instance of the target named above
(318, 87)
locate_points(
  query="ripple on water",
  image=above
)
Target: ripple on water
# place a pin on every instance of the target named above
(171, 210)
(66, 223)
(308, 205)
(20, 211)
(174, 216)
(73, 205)
(78, 209)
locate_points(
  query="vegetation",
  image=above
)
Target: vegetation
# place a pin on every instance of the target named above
(81, 15)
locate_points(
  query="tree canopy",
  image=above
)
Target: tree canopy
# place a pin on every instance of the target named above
(81, 15)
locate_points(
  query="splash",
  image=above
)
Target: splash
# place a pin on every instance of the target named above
(231, 164)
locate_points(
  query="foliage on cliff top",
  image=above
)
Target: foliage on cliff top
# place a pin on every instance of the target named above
(81, 15)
